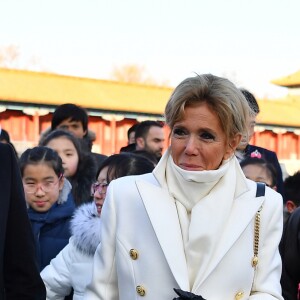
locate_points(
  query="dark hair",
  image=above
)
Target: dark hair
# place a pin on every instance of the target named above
(132, 129)
(124, 164)
(143, 128)
(55, 134)
(251, 100)
(86, 165)
(4, 136)
(41, 154)
(58, 133)
(148, 155)
(63, 133)
(69, 111)
(291, 188)
(270, 169)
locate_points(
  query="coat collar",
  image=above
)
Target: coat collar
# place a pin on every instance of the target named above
(242, 213)
(162, 212)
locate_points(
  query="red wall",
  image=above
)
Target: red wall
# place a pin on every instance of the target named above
(112, 135)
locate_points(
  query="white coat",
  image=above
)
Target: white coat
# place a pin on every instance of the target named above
(72, 267)
(141, 255)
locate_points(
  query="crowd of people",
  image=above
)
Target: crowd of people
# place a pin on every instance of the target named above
(208, 218)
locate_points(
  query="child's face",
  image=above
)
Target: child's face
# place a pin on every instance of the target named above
(100, 191)
(42, 186)
(67, 151)
(258, 173)
(75, 127)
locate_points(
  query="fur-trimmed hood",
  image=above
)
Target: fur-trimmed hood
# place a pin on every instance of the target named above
(85, 228)
(64, 193)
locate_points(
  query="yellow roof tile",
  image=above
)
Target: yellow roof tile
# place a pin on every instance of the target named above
(292, 80)
(19, 86)
(52, 89)
(284, 112)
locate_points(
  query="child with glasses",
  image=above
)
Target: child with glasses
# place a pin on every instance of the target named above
(79, 166)
(49, 200)
(72, 268)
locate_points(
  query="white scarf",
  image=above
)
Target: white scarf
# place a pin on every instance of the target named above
(189, 187)
(203, 200)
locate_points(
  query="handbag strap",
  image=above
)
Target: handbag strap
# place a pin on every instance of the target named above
(260, 189)
(260, 192)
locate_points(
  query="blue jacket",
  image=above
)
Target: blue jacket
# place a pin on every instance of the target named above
(51, 229)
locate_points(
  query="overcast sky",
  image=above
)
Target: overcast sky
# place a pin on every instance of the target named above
(250, 42)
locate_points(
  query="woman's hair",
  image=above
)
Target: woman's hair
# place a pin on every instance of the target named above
(222, 96)
(39, 155)
(124, 164)
(270, 169)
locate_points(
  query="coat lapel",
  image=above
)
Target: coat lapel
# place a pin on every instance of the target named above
(242, 213)
(162, 212)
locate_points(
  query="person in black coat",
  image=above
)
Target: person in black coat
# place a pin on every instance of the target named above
(19, 275)
(245, 150)
(290, 253)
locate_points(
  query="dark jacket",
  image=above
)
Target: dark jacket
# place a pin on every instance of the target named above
(51, 229)
(19, 275)
(128, 148)
(290, 254)
(270, 157)
(86, 146)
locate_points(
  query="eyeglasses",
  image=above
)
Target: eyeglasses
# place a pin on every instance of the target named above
(101, 188)
(46, 187)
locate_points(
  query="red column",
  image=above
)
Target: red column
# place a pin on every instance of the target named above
(113, 119)
(36, 113)
(279, 142)
(36, 122)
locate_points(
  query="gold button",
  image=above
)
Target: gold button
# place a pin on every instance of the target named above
(134, 254)
(140, 290)
(239, 295)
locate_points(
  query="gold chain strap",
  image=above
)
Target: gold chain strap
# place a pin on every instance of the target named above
(256, 238)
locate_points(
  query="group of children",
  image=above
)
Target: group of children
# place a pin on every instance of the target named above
(57, 213)
(65, 186)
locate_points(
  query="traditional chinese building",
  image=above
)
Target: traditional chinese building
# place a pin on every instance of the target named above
(279, 123)
(28, 99)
